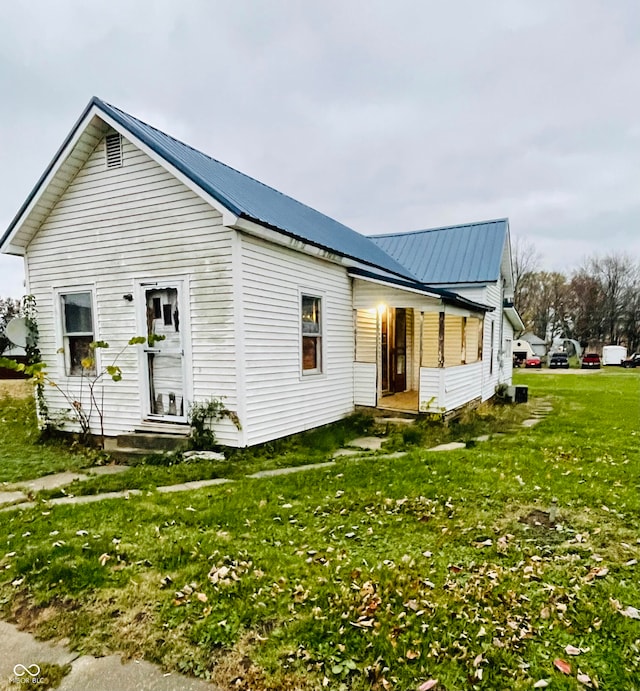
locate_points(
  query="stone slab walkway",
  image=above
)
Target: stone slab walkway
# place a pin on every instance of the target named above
(16, 497)
(22, 656)
(287, 471)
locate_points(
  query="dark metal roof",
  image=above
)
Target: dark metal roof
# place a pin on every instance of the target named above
(470, 253)
(251, 199)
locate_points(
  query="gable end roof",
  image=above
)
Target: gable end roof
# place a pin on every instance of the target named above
(239, 193)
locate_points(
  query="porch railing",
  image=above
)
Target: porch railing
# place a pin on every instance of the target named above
(446, 388)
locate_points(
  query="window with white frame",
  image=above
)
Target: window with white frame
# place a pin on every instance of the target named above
(311, 310)
(77, 330)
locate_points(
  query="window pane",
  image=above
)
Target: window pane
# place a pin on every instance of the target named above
(310, 315)
(77, 313)
(79, 350)
(310, 353)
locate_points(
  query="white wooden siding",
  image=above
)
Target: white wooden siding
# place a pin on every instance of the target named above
(365, 387)
(366, 335)
(447, 388)
(111, 228)
(279, 399)
(491, 294)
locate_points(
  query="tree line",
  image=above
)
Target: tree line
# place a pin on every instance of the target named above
(596, 304)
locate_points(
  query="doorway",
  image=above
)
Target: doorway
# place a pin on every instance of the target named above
(394, 350)
(164, 353)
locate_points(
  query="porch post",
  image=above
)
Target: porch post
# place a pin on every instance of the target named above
(441, 340)
(420, 340)
(378, 356)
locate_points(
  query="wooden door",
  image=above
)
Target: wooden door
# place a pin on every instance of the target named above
(400, 351)
(164, 353)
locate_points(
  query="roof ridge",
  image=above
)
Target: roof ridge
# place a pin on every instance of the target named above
(431, 230)
(225, 165)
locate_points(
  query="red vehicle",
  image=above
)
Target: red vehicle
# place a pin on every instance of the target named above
(533, 361)
(590, 361)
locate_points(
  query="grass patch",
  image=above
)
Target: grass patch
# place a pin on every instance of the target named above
(373, 574)
(24, 455)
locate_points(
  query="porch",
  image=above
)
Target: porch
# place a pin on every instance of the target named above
(414, 353)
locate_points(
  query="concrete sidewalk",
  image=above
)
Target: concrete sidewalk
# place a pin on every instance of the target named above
(23, 655)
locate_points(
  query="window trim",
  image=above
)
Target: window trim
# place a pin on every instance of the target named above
(320, 336)
(63, 336)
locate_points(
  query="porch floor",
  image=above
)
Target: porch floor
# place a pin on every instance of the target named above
(404, 401)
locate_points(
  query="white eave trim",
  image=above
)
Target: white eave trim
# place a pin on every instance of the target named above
(283, 239)
(391, 284)
(512, 315)
(9, 247)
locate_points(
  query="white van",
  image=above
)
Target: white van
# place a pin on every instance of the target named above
(613, 355)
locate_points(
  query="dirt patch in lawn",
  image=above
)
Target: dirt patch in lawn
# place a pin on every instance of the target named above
(16, 388)
(538, 519)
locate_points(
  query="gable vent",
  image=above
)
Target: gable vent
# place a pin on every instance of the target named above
(113, 150)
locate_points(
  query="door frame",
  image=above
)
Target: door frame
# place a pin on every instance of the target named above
(181, 283)
(388, 351)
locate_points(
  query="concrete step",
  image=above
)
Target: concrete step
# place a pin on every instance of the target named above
(396, 420)
(150, 442)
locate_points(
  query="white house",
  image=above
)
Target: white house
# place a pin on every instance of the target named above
(289, 316)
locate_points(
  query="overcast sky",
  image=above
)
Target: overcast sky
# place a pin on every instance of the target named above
(387, 116)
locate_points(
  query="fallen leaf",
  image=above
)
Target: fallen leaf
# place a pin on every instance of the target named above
(485, 543)
(413, 654)
(584, 679)
(202, 597)
(428, 685)
(596, 572)
(103, 559)
(562, 665)
(572, 650)
(630, 612)
(541, 684)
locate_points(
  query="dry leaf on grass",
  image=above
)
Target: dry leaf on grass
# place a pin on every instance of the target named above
(562, 665)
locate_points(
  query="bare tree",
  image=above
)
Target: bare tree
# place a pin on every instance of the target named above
(525, 263)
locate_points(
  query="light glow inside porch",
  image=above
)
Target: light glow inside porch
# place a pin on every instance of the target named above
(415, 354)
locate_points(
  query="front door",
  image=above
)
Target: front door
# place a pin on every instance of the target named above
(164, 353)
(400, 351)
(394, 350)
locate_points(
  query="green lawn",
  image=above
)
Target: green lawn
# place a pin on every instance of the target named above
(373, 574)
(22, 456)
